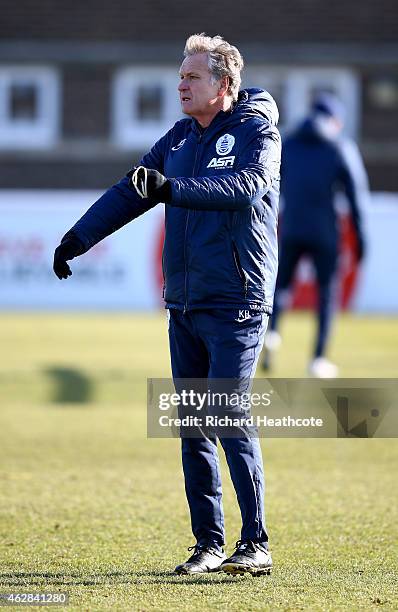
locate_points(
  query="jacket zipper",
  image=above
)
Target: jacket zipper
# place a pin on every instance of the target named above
(240, 270)
(185, 262)
(186, 232)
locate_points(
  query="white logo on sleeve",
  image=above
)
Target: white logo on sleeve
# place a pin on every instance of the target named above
(244, 315)
(225, 144)
(180, 144)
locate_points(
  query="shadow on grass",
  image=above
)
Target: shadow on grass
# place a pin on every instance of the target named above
(71, 386)
(108, 578)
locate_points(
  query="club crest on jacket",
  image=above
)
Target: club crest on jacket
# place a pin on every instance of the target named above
(224, 144)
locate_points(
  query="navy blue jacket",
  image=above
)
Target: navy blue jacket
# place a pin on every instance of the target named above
(313, 169)
(220, 247)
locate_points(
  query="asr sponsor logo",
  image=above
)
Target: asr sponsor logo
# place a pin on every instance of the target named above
(222, 162)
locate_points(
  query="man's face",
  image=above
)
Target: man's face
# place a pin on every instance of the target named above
(329, 127)
(198, 95)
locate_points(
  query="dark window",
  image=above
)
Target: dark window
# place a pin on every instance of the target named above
(150, 102)
(23, 102)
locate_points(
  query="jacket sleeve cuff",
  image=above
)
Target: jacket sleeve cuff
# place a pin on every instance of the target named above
(163, 194)
(80, 238)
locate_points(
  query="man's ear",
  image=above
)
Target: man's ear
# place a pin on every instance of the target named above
(224, 85)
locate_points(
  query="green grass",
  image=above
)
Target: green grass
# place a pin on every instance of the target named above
(90, 506)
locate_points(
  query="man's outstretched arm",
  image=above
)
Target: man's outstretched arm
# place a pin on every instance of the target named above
(114, 209)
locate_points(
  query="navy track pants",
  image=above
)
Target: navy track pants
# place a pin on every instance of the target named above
(324, 257)
(220, 344)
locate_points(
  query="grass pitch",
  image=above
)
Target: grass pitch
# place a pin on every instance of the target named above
(91, 507)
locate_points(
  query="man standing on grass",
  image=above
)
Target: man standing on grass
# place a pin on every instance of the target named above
(220, 264)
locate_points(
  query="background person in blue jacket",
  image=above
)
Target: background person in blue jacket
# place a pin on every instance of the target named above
(220, 263)
(316, 163)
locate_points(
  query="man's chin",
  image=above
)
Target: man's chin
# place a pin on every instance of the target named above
(186, 109)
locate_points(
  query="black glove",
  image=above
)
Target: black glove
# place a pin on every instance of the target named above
(69, 248)
(150, 184)
(360, 248)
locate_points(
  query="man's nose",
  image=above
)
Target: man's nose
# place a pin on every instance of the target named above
(182, 85)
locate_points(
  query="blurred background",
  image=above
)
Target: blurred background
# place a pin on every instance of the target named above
(86, 88)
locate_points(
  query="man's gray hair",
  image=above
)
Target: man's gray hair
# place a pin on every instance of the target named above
(223, 59)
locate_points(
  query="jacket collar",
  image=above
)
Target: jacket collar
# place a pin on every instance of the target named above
(216, 123)
(250, 103)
